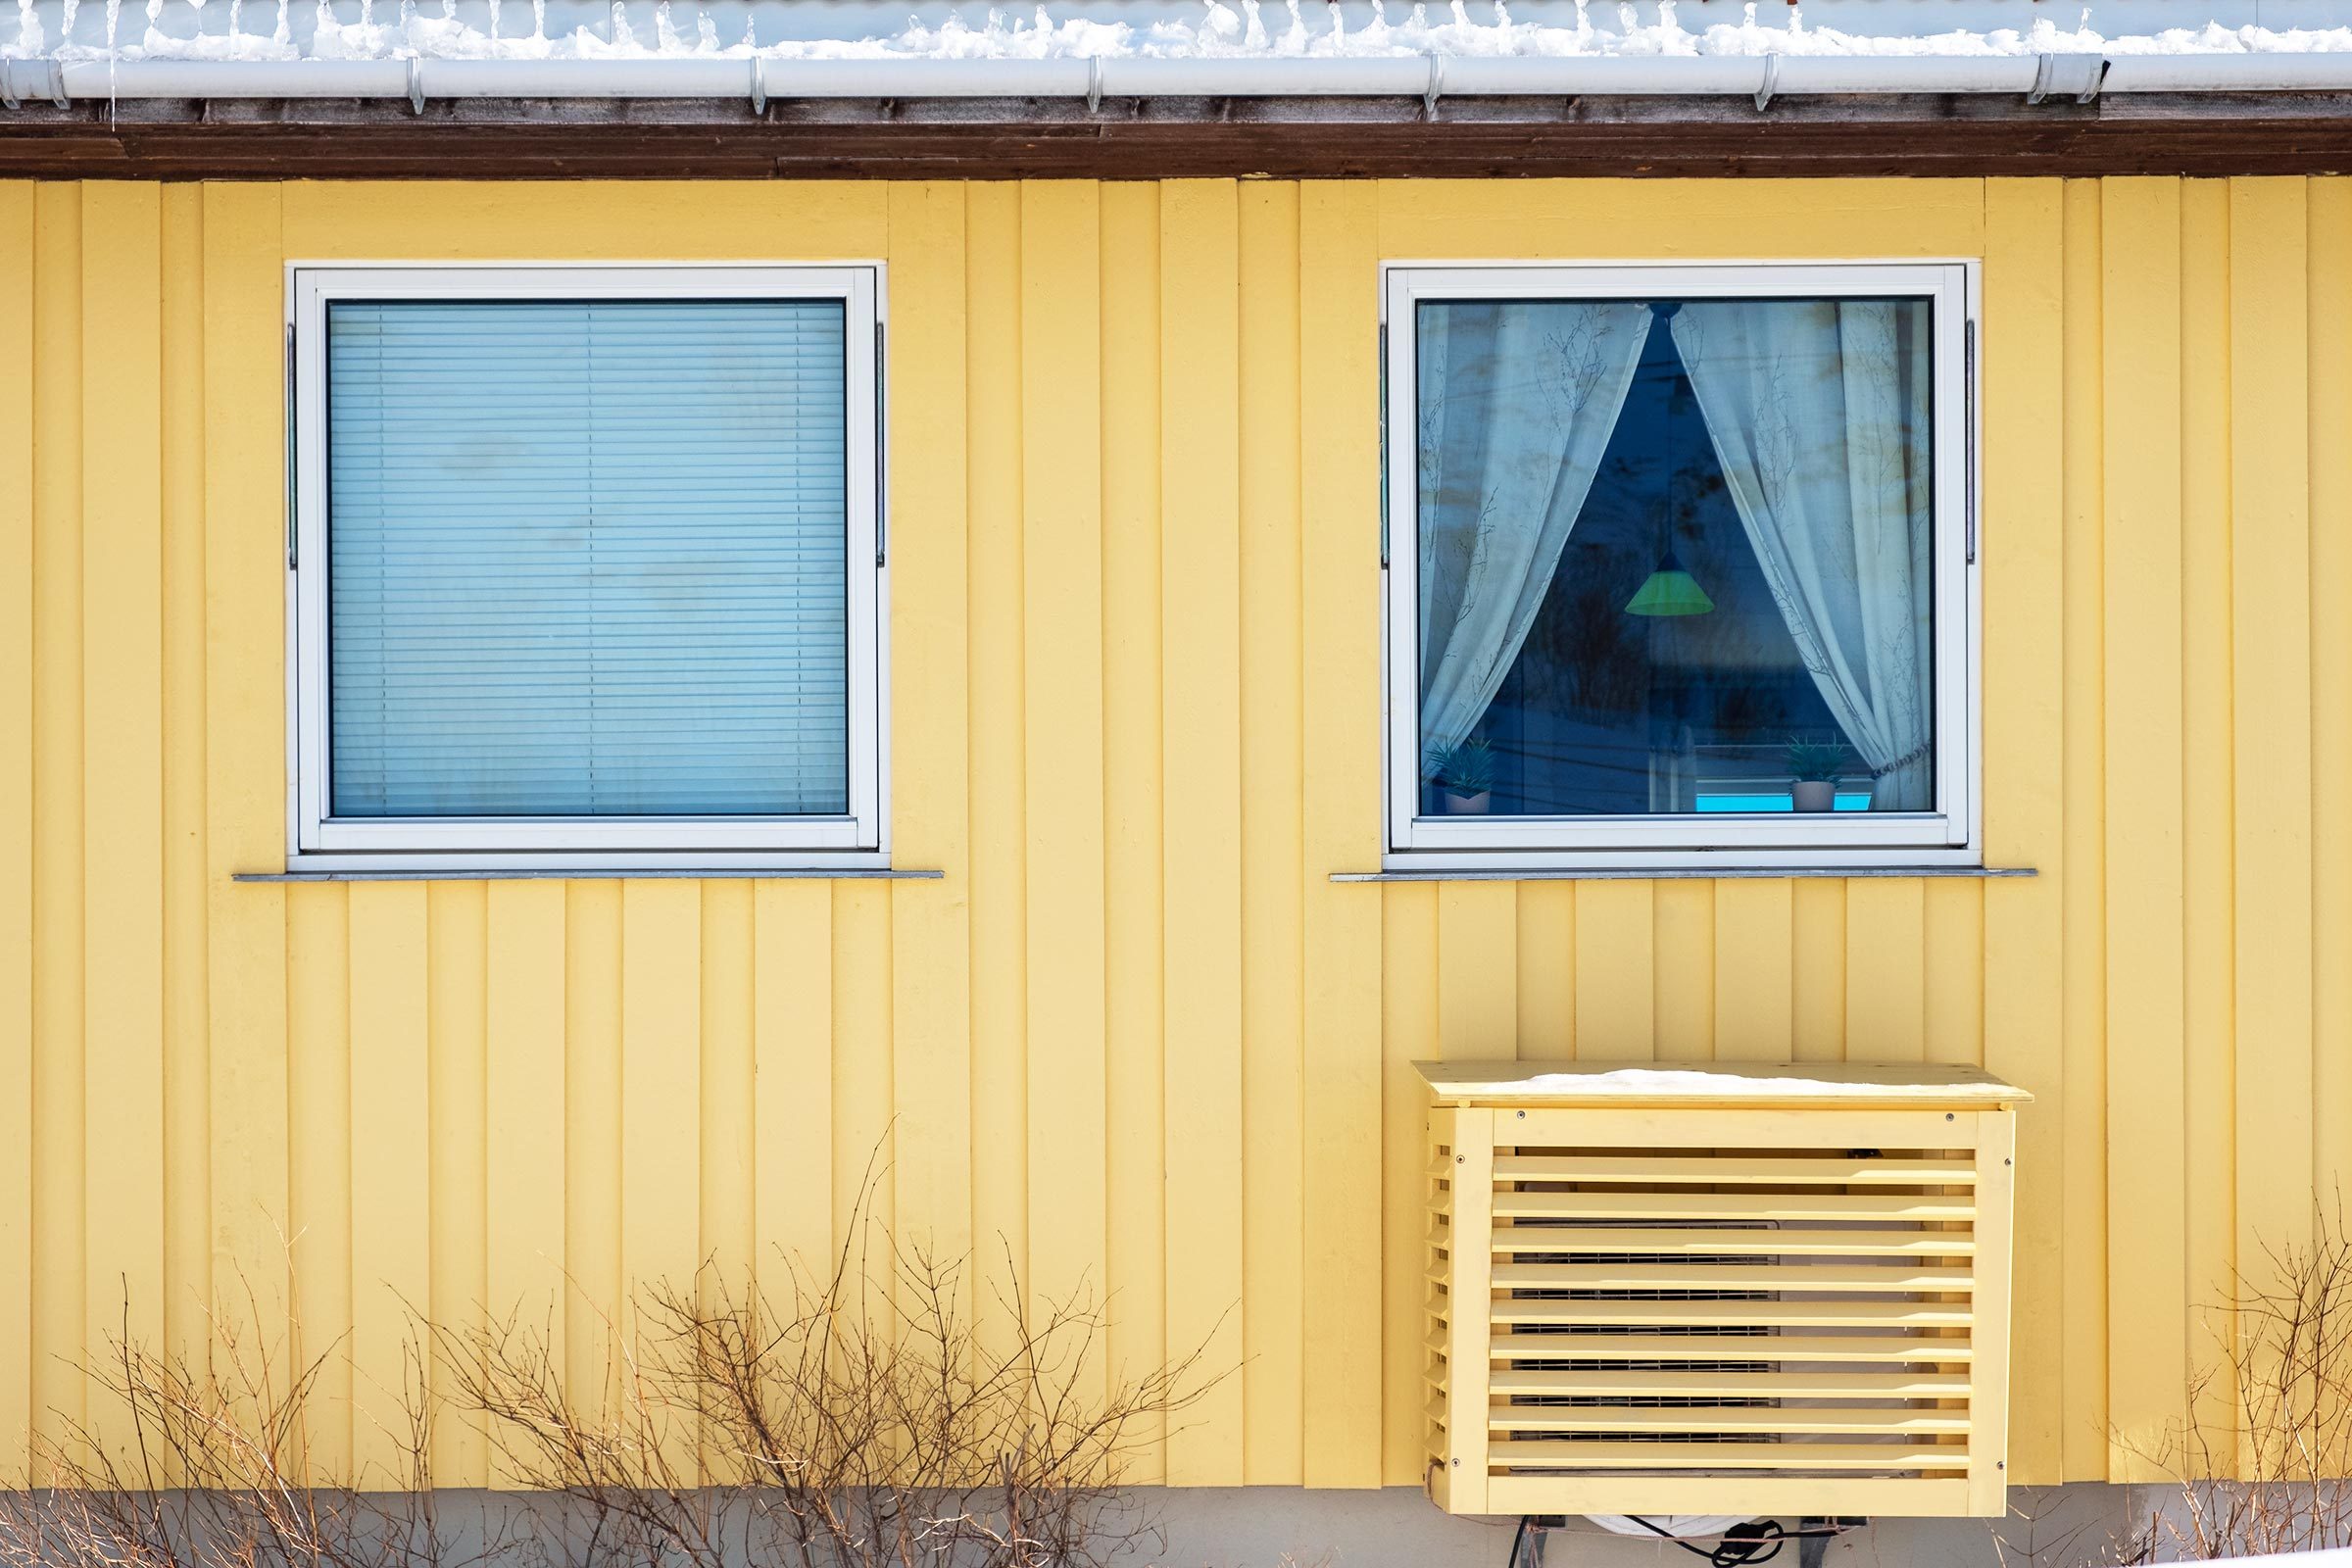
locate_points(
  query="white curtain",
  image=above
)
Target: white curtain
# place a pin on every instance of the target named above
(1517, 399)
(1819, 414)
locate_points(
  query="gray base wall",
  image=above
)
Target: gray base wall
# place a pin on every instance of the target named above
(1277, 1527)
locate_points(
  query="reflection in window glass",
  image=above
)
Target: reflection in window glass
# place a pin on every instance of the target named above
(1675, 558)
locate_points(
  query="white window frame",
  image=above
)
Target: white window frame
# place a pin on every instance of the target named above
(1946, 836)
(318, 840)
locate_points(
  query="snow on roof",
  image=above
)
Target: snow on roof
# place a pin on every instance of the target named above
(1185, 29)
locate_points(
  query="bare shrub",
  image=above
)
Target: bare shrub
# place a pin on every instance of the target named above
(838, 1421)
(206, 1462)
(2277, 1477)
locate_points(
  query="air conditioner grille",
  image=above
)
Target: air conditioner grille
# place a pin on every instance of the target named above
(1794, 1307)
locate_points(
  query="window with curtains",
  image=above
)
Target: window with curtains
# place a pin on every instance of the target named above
(587, 566)
(1681, 564)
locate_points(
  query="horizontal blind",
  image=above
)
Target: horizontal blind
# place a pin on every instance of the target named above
(587, 559)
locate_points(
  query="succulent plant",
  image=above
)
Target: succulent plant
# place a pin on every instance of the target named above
(1465, 769)
(1816, 760)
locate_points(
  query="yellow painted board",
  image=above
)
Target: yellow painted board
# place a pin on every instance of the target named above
(1615, 995)
(1468, 1280)
(1134, 1065)
(18, 590)
(729, 1087)
(1202, 767)
(458, 1118)
(2270, 629)
(2330, 335)
(2023, 359)
(1926, 1497)
(2208, 972)
(122, 763)
(1997, 1192)
(1885, 980)
(1817, 980)
(994, 606)
(660, 1084)
(1274, 1311)
(60, 1321)
(604, 221)
(1062, 707)
(660, 1108)
(1754, 970)
(863, 1139)
(1645, 220)
(1737, 1456)
(525, 1022)
(1545, 925)
(1339, 727)
(930, 731)
(391, 1167)
(187, 1153)
(592, 1131)
(793, 1025)
(727, 1134)
(1683, 938)
(2142, 736)
(2083, 941)
(1408, 1032)
(320, 1148)
(1478, 953)
(1953, 970)
(245, 779)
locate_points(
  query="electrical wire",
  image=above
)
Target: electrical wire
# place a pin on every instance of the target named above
(1758, 1541)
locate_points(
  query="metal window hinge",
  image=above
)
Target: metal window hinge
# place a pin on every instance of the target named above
(293, 526)
(1969, 375)
(881, 465)
(1384, 446)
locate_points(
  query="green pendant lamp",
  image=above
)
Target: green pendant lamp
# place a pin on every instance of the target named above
(1669, 591)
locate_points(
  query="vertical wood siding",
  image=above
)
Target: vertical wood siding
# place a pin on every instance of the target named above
(1135, 1038)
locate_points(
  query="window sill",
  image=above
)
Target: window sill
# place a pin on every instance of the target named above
(1671, 873)
(575, 874)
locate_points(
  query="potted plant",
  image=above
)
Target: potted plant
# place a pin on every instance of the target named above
(1814, 766)
(1465, 774)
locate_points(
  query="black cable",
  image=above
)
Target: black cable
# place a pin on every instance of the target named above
(1758, 1541)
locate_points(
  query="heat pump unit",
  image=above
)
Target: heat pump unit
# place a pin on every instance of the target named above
(1715, 1291)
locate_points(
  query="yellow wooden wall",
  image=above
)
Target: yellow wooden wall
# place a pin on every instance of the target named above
(1135, 1032)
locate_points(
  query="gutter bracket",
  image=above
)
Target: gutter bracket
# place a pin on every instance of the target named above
(1437, 85)
(415, 86)
(56, 83)
(8, 87)
(759, 85)
(1772, 82)
(2076, 75)
(1094, 84)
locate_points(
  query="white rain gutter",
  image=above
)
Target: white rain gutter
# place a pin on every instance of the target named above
(1425, 76)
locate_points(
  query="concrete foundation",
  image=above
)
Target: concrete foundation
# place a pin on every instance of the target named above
(1275, 1527)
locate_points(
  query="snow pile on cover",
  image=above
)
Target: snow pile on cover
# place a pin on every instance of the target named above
(1680, 1082)
(518, 30)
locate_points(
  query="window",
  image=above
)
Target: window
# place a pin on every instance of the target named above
(1680, 566)
(585, 567)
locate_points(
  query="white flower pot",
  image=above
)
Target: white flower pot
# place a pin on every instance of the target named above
(1814, 794)
(1468, 804)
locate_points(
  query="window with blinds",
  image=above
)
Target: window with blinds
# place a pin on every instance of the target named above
(590, 560)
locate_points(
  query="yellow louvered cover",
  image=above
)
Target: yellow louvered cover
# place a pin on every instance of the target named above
(1770, 1290)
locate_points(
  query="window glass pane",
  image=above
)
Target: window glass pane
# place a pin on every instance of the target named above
(587, 559)
(1675, 557)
